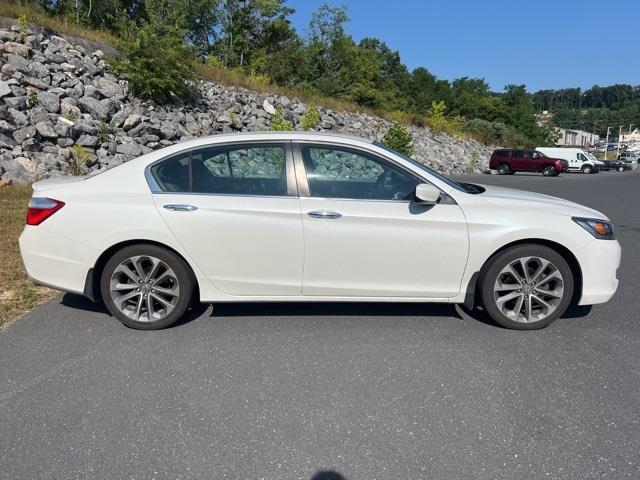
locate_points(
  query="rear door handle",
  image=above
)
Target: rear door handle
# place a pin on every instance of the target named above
(326, 214)
(180, 208)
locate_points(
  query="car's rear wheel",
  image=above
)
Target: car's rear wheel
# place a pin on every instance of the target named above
(526, 287)
(503, 169)
(146, 286)
(587, 169)
(549, 171)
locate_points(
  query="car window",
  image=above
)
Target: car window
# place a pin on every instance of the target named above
(334, 172)
(518, 154)
(581, 157)
(232, 170)
(172, 175)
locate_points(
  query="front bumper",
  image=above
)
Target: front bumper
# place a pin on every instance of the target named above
(599, 261)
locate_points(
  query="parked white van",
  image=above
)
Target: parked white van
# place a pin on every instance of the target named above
(579, 160)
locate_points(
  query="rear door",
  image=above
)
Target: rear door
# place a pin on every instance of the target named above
(364, 235)
(519, 162)
(234, 209)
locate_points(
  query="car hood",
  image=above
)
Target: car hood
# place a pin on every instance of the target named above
(502, 196)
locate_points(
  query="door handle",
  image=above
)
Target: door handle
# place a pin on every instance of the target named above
(326, 214)
(180, 208)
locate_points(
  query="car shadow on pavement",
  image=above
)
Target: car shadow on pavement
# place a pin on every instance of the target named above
(293, 309)
(327, 475)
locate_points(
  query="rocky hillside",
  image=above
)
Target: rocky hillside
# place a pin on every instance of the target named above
(62, 112)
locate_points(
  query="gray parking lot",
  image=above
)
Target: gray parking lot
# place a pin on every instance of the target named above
(284, 391)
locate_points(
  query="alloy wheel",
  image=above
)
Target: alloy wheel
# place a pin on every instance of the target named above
(144, 288)
(528, 289)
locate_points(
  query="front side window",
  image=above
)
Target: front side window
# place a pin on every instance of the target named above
(333, 172)
(231, 170)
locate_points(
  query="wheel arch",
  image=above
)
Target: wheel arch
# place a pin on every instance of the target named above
(571, 259)
(92, 282)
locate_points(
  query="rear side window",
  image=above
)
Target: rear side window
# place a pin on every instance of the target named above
(517, 154)
(502, 153)
(173, 175)
(231, 170)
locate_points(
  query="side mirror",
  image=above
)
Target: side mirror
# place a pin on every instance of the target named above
(427, 193)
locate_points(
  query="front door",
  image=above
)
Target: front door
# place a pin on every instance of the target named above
(234, 209)
(364, 235)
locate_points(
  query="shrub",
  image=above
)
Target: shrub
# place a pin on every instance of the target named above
(311, 119)
(158, 65)
(496, 133)
(399, 138)
(102, 131)
(278, 122)
(80, 159)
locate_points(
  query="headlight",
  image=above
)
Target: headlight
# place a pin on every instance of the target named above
(598, 228)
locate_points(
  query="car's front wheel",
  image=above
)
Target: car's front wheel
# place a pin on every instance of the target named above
(146, 286)
(587, 169)
(526, 287)
(621, 169)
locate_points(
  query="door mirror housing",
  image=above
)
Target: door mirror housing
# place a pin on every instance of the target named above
(427, 193)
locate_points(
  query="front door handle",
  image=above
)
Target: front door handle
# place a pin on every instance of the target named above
(180, 208)
(326, 214)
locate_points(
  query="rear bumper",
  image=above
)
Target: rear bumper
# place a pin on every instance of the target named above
(55, 261)
(599, 261)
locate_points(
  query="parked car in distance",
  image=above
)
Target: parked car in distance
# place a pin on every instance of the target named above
(618, 165)
(509, 161)
(578, 159)
(297, 216)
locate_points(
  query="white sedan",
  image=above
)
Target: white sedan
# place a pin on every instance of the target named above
(310, 217)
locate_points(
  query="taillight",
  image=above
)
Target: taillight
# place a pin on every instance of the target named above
(41, 208)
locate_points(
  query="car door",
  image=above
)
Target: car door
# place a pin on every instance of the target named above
(364, 234)
(234, 209)
(519, 162)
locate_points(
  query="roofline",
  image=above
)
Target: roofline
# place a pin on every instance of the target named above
(281, 134)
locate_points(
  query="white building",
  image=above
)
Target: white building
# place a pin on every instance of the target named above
(630, 137)
(578, 138)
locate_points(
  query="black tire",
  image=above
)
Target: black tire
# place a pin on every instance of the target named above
(621, 169)
(183, 274)
(549, 171)
(494, 266)
(587, 169)
(503, 169)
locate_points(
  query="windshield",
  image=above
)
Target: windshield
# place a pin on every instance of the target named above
(460, 186)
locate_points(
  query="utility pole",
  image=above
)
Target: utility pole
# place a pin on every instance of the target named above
(619, 135)
(606, 144)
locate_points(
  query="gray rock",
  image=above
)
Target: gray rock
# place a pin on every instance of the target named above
(6, 127)
(16, 48)
(46, 130)
(100, 109)
(6, 141)
(18, 118)
(50, 101)
(38, 70)
(87, 141)
(22, 134)
(18, 63)
(109, 88)
(131, 149)
(131, 121)
(5, 89)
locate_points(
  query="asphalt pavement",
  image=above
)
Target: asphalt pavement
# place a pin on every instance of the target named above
(332, 391)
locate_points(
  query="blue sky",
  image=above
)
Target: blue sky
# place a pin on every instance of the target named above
(541, 43)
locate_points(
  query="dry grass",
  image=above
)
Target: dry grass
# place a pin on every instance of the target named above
(17, 294)
(61, 25)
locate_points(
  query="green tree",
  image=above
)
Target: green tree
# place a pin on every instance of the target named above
(399, 139)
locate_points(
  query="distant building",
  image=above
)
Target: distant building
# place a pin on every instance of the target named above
(630, 137)
(577, 138)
